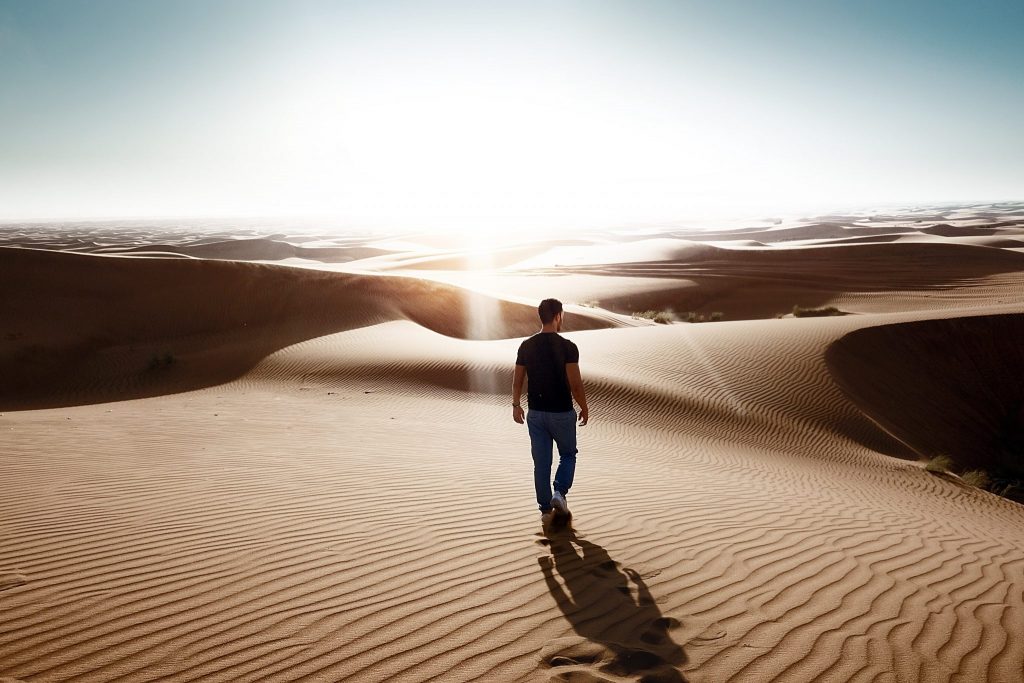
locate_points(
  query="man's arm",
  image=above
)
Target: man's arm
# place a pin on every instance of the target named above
(572, 370)
(517, 393)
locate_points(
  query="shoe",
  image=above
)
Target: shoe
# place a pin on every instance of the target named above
(558, 503)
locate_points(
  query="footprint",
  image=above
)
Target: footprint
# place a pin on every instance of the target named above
(648, 573)
(574, 677)
(712, 632)
(11, 580)
(654, 637)
(657, 632)
(631, 661)
(667, 622)
(577, 660)
(572, 651)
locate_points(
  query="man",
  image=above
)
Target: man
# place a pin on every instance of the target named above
(552, 364)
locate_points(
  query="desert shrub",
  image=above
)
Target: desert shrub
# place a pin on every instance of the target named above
(716, 316)
(691, 316)
(976, 478)
(940, 463)
(663, 317)
(1012, 489)
(800, 312)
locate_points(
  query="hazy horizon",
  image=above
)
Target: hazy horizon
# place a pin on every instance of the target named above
(455, 116)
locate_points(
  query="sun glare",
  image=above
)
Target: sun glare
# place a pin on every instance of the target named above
(495, 151)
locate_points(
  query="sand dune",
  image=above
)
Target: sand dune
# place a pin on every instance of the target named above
(258, 544)
(84, 328)
(946, 230)
(744, 283)
(959, 376)
(755, 283)
(253, 250)
(326, 485)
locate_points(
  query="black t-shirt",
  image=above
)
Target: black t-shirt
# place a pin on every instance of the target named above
(544, 356)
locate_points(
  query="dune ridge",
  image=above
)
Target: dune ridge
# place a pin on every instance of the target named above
(254, 249)
(83, 328)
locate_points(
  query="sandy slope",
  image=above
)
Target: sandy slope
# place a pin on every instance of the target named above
(356, 504)
(962, 376)
(79, 328)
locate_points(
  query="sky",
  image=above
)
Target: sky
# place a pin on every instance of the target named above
(499, 116)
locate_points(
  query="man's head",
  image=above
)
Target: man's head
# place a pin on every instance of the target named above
(550, 311)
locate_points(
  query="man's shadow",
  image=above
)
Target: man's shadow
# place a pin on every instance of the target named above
(627, 634)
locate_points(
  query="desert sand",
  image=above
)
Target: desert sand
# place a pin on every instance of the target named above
(251, 454)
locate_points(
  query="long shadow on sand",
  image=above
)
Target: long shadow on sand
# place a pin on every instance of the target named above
(622, 631)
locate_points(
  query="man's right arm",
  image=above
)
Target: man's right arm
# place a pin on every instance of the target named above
(517, 393)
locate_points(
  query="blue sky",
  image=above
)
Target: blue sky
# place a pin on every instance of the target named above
(504, 115)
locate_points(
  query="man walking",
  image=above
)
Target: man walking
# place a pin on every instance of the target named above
(551, 362)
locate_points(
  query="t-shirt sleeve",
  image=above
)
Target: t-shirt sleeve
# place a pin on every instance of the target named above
(572, 353)
(521, 355)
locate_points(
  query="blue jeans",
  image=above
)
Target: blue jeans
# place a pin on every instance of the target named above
(546, 428)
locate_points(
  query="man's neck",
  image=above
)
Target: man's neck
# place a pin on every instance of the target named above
(548, 328)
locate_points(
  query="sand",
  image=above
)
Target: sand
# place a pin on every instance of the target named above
(219, 469)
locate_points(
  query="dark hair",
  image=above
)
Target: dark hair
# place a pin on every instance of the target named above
(548, 309)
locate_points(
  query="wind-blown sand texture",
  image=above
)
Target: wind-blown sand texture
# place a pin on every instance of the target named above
(221, 470)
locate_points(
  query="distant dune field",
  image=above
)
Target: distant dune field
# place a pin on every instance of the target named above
(233, 456)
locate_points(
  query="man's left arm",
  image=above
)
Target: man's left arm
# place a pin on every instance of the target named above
(572, 372)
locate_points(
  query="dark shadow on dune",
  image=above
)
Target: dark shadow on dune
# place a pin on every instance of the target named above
(610, 607)
(946, 386)
(78, 329)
